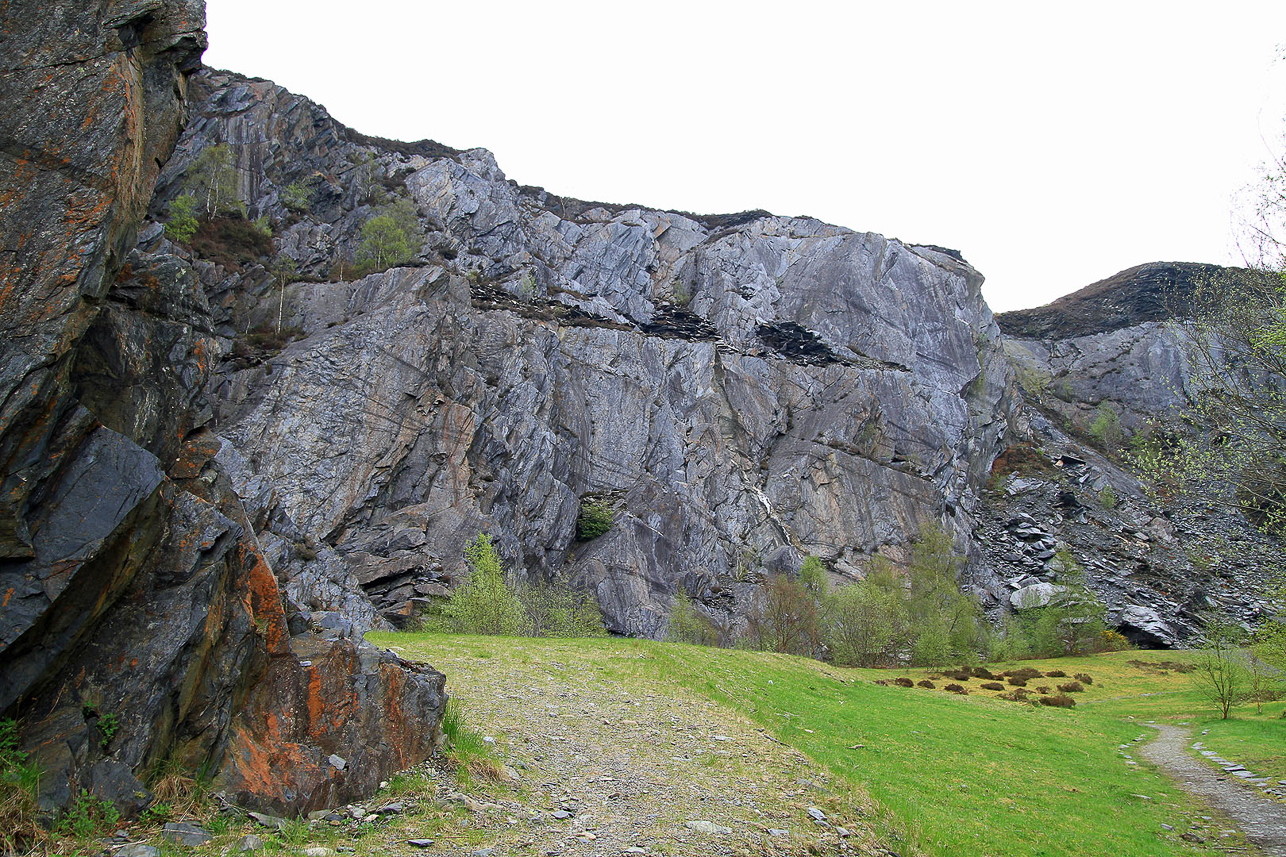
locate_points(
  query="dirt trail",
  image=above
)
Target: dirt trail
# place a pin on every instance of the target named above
(613, 770)
(1262, 819)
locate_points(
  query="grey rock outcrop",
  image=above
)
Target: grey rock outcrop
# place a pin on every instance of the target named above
(747, 390)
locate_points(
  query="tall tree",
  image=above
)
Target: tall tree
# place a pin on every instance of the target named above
(212, 179)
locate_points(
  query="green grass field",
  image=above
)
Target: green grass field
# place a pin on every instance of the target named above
(959, 774)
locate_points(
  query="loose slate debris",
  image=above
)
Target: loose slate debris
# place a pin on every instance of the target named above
(796, 343)
(675, 322)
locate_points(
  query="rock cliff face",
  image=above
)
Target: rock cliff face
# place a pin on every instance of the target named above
(1108, 355)
(141, 621)
(744, 390)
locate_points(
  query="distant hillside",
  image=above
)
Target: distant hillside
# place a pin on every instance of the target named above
(1151, 292)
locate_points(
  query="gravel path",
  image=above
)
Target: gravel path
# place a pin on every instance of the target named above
(1262, 819)
(612, 770)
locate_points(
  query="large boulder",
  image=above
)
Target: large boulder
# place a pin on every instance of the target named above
(142, 621)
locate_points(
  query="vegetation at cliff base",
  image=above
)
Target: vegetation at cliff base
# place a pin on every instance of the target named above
(487, 603)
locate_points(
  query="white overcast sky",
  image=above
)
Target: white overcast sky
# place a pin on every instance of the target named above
(1053, 144)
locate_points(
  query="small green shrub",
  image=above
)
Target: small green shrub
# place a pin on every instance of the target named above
(595, 518)
(297, 197)
(484, 603)
(88, 816)
(1106, 428)
(690, 625)
(1107, 498)
(108, 724)
(181, 225)
(556, 610)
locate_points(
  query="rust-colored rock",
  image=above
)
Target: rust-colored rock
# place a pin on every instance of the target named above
(132, 584)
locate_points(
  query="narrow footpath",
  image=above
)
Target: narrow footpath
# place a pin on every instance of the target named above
(1262, 819)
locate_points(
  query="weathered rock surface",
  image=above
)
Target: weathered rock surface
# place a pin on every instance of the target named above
(141, 620)
(746, 389)
(1111, 348)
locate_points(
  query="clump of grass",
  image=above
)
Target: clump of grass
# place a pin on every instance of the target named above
(1017, 681)
(955, 688)
(19, 784)
(177, 791)
(465, 748)
(983, 672)
(925, 683)
(1084, 678)
(903, 681)
(1071, 687)
(992, 685)
(1055, 674)
(1024, 673)
(1059, 700)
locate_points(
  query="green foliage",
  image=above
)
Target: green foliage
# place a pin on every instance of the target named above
(466, 747)
(946, 624)
(813, 576)
(389, 238)
(870, 625)
(559, 611)
(1106, 428)
(263, 225)
(690, 625)
(212, 180)
(1072, 624)
(1221, 677)
(594, 519)
(88, 815)
(485, 604)
(297, 196)
(527, 288)
(1107, 498)
(787, 618)
(181, 225)
(108, 724)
